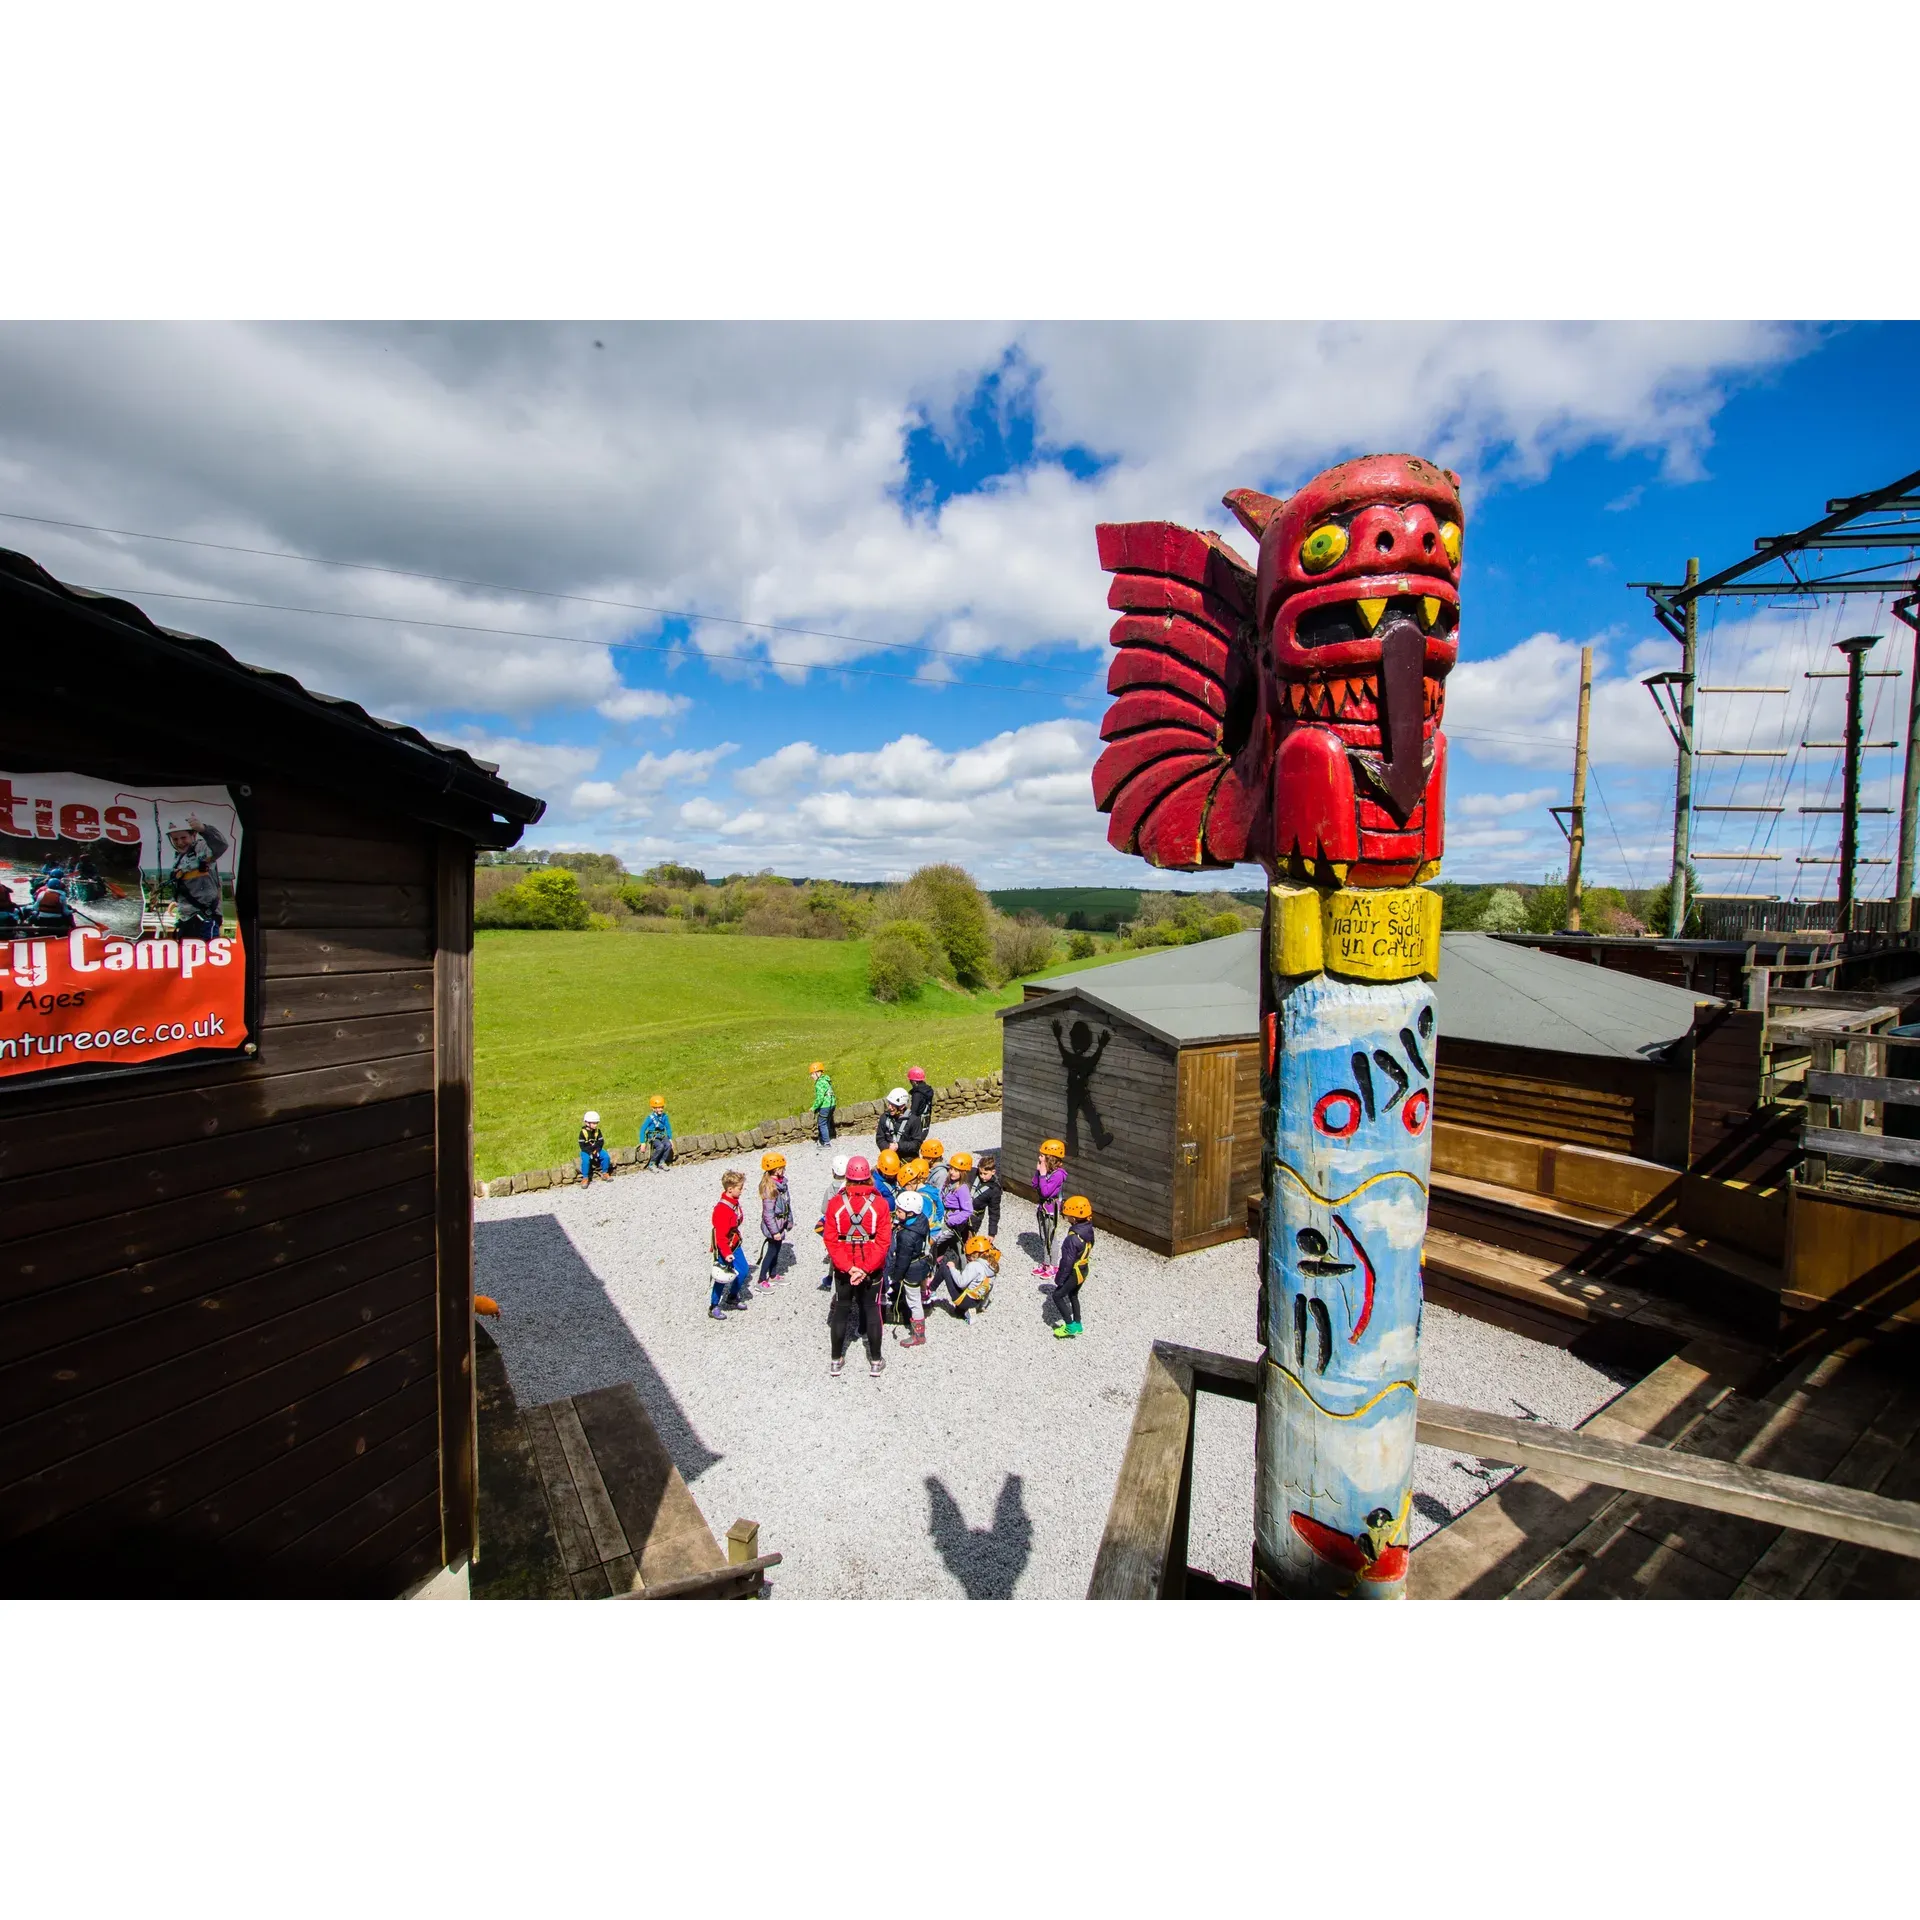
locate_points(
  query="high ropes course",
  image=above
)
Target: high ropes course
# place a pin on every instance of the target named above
(1793, 714)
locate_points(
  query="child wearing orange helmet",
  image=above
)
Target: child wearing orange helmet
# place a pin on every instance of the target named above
(1049, 1183)
(1076, 1255)
(776, 1215)
(656, 1136)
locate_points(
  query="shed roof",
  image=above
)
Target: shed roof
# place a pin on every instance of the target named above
(1488, 991)
(204, 682)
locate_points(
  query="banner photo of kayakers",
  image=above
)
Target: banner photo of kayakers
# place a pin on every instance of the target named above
(120, 939)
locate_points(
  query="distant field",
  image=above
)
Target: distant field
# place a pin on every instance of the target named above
(724, 1026)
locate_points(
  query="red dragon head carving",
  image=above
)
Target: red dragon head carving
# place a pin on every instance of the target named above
(1288, 713)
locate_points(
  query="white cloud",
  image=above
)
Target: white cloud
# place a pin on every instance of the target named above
(642, 703)
(703, 813)
(745, 472)
(1489, 806)
(531, 765)
(629, 796)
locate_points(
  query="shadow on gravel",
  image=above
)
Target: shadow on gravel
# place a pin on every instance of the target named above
(986, 1561)
(557, 1325)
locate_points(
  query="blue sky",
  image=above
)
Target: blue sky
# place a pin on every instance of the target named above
(918, 501)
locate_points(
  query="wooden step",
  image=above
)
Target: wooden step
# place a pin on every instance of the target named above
(1549, 1288)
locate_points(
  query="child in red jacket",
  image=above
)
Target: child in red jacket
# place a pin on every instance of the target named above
(728, 1251)
(858, 1233)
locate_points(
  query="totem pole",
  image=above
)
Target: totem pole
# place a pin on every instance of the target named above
(1289, 713)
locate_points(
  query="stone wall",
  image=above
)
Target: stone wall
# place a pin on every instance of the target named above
(949, 1103)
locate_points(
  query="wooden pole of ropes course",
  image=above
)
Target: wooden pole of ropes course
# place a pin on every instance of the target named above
(1288, 712)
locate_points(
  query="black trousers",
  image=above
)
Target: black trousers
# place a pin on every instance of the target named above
(986, 1215)
(1066, 1300)
(853, 1304)
(770, 1256)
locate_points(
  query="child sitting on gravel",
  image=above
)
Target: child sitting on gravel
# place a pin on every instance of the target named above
(826, 1200)
(1049, 1182)
(728, 1252)
(776, 1214)
(656, 1135)
(594, 1157)
(1076, 1254)
(971, 1285)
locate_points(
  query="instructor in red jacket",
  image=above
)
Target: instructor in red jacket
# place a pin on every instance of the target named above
(858, 1232)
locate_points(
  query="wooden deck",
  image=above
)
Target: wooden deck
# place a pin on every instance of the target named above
(1848, 1418)
(580, 1501)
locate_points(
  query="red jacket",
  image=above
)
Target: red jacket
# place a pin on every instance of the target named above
(858, 1232)
(726, 1227)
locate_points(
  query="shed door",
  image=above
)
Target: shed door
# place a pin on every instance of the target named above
(1203, 1144)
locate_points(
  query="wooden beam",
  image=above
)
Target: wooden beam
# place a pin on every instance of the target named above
(1720, 1486)
(1865, 1086)
(1137, 1547)
(453, 1195)
(1841, 1145)
(718, 1583)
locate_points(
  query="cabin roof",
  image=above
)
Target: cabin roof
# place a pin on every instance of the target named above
(1488, 991)
(429, 778)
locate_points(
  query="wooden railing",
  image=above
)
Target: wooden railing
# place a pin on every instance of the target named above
(1839, 1105)
(1143, 1552)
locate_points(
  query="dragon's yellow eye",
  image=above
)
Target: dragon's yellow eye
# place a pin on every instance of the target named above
(1450, 539)
(1324, 545)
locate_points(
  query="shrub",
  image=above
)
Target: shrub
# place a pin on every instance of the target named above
(645, 899)
(1022, 946)
(1082, 946)
(549, 898)
(1502, 912)
(668, 874)
(945, 899)
(904, 956)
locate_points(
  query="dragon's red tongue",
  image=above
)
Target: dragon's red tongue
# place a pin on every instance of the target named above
(1403, 662)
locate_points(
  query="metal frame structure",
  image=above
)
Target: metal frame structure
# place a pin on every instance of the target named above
(1879, 523)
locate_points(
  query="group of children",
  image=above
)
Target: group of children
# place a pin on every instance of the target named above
(929, 1241)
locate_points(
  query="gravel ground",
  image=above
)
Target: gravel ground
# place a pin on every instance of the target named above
(980, 1464)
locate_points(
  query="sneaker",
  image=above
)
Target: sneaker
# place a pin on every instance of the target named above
(877, 1367)
(735, 1306)
(835, 1368)
(1073, 1327)
(1043, 1273)
(826, 1285)
(716, 1313)
(1063, 1331)
(765, 1286)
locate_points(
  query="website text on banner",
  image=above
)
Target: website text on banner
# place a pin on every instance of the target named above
(119, 941)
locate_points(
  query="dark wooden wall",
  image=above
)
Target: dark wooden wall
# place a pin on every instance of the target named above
(1614, 1105)
(1129, 1181)
(228, 1363)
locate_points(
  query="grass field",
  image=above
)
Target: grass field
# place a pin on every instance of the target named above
(723, 1026)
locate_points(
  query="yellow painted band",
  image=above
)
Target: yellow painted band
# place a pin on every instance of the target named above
(1393, 1386)
(1358, 933)
(1331, 1200)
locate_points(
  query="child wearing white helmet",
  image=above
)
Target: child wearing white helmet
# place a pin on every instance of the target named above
(892, 1123)
(593, 1149)
(195, 876)
(826, 1200)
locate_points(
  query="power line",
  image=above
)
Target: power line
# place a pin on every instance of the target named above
(579, 640)
(489, 586)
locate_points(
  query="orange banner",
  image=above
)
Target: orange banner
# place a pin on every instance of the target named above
(119, 940)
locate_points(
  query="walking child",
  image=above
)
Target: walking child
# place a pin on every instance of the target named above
(1049, 1183)
(1076, 1255)
(594, 1157)
(776, 1215)
(728, 1252)
(656, 1135)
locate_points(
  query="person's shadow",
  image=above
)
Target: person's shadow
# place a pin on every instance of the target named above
(1080, 1056)
(986, 1561)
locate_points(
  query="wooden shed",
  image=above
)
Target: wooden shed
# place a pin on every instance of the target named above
(1149, 1069)
(236, 1337)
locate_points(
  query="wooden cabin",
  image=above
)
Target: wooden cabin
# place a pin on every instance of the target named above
(236, 1336)
(1149, 1070)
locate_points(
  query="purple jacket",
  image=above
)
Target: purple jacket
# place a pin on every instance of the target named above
(1048, 1187)
(959, 1204)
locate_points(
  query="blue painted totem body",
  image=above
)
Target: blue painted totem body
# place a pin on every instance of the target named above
(1346, 1215)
